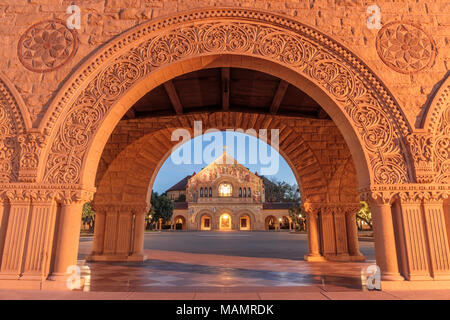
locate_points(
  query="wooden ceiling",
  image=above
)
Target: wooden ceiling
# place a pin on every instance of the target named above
(226, 89)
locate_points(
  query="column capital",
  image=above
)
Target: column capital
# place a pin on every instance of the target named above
(68, 197)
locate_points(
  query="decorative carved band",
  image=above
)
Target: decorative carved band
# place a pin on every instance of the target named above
(406, 193)
(337, 208)
(377, 119)
(26, 192)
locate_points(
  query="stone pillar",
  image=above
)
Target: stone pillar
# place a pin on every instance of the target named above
(139, 231)
(385, 246)
(352, 235)
(40, 236)
(68, 238)
(313, 234)
(435, 226)
(414, 239)
(119, 234)
(15, 234)
(99, 231)
(340, 232)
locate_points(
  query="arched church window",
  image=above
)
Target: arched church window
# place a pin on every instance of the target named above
(225, 190)
(206, 192)
(201, 192)
(210, 192)
(249, 192)
(245, 192)
(240, 192)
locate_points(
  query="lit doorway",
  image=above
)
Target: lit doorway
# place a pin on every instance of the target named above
(225, 222)
(206, 223)
(244, 223)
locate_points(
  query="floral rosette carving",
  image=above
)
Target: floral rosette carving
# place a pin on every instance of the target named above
(405, 47)
(47, 46)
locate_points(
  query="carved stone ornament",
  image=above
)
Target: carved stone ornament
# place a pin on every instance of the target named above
(47, 46)
(442, 147)
(422, 151)
(93, 91)
(11, 123)
(30, 147)
(405, 47)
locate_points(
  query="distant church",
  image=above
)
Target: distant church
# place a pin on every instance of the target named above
(226, 196)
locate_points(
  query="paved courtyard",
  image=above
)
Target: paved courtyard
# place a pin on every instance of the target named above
(224, 261)
(217, 265)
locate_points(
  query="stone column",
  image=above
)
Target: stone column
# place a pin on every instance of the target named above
(41, 231)
(16, 232)
(436, 231)
(119, 234)
(352, 235)
(385, 246)
(415, 250)
(138, 241)
(99, 231)
(313, 234)
(68, 238)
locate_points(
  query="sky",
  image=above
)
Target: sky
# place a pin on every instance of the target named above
(255, 154)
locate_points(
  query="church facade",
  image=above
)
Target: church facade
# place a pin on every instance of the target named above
(226, 196)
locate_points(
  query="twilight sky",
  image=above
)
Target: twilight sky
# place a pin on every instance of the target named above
(264, 159)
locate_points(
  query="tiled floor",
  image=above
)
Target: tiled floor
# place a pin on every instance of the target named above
(188, 272)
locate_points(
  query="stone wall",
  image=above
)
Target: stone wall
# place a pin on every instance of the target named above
(344, 20)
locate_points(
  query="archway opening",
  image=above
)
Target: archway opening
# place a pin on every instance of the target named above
(205, 222)
(244, 223)
(225, 222)
(179, 223)
(276, 107)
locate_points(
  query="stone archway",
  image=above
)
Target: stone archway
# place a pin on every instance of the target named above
(58, 162)
(179, 223)
(270, 223)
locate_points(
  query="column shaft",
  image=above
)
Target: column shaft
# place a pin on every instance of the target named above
(68, 238)
(385, 251)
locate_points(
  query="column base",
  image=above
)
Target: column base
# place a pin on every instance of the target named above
(55, 283)
(16, 284)
(314, 258)
(116, 257)
(389, 277)
(414, 285)
(58, 282)
(344, 257)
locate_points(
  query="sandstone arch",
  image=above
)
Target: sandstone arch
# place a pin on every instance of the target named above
(395, 163)
(363, 109)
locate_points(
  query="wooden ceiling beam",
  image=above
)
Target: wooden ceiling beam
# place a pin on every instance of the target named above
(173, 96)
(225, 88)
(278, 97)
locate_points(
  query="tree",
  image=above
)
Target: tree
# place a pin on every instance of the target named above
(364, 214)
(298, 217)
(88, 216)
(162, 207)
(280, 191)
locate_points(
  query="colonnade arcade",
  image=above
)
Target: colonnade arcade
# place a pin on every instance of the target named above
(86, 149)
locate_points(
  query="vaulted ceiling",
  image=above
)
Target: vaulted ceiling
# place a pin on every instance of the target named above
(226, 89)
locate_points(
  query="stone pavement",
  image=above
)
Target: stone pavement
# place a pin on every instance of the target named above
(188, 276)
